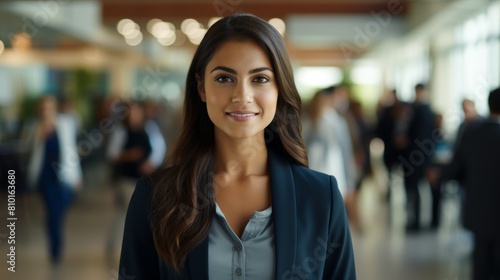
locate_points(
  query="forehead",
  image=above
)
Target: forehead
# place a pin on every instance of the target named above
(47, 101)
(239, 54)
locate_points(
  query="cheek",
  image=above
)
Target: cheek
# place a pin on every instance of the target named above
(214, 104)
(270, 100)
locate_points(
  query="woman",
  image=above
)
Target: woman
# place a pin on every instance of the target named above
(54, 167)
(323, 148)
(236, 199)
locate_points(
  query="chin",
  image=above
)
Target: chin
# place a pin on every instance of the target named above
(242, 134)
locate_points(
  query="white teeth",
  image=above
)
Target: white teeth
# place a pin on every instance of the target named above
(241, 115)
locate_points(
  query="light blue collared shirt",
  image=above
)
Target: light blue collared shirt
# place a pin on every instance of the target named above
(252, 257)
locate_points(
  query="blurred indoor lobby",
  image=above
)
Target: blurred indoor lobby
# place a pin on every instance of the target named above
(88, 54)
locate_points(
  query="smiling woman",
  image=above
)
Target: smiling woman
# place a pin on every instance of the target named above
(240, 91)
(236, 198)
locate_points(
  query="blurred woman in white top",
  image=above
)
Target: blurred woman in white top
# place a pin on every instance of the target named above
(323, 144)
(54, 167)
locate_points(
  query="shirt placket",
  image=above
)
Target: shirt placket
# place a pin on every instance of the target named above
(239, 260)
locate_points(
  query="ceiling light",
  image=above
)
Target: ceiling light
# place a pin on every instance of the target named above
(122, 23)
(130, 29)
(190, 26)
(213, 20)
(134, 33)
(168, 41)
(199, 33)
(134, 41)
(196, 40)
(163, 30)
(151, 24)
(279, 24)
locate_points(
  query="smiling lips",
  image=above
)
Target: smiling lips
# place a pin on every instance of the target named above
(241, 116)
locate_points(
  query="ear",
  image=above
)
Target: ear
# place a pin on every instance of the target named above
(201, 88)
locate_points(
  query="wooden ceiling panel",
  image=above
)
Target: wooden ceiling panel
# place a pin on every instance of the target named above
(113, 11)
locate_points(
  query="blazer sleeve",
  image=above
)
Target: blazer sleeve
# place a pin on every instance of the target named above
(340, 261)
(139, 259)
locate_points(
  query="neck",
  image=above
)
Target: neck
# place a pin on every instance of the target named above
(240, 157)
(48, 121)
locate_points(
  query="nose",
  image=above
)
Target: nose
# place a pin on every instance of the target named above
(242, 94)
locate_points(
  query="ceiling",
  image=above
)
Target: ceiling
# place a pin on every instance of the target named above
(200, 9)
(320, 32)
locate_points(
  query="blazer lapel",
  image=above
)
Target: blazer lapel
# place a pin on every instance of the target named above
(285, 213)
(198, 261)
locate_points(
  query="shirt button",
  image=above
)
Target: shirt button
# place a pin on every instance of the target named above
(237, 247)
(238, 271)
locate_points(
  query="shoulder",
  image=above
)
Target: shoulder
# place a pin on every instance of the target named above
(151, 125)
(314, 185)
(303, 178)
(143, 189)
(67, 121)
(302, 173)
(63, 121)
(140, 202)
(473, 128)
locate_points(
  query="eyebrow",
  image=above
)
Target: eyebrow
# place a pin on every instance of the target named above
(232, 71)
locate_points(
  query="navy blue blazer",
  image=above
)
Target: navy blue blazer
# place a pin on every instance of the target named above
(312, 236)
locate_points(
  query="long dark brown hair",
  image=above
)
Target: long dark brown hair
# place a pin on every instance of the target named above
(183, 197)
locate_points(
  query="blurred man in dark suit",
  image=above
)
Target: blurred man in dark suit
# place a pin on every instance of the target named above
(476, 165)
(419, 153)
(392, 128)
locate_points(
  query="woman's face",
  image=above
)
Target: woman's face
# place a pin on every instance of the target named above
(240, 90)
(47, 108)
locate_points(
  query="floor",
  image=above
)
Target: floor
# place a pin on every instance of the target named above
(382, 249)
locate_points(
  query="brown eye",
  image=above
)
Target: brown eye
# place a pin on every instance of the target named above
(261, 79)
(223, 79)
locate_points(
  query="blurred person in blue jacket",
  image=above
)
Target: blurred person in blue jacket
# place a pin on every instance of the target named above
(54, 167)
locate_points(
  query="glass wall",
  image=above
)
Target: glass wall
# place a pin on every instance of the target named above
(461, 61)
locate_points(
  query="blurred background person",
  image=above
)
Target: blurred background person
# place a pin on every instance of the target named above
(365, 135)
(418, 155)
(322, 144)
(136, 148)
(340, 104)
(67, 107)
(54, 168)
(475, 165)
(470, 116)
(329, 144)
(393, 118)
(439, 159)
(351, 147)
